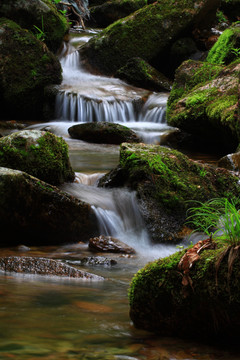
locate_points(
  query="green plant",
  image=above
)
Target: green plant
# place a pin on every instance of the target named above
(236, 51)
(40, 34)
(221, 17)
(217, 217)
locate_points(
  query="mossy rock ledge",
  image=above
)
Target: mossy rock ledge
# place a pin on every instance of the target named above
(34, 212)
(147, 33)
(205, 310)
(43, 14)
(38, 153)
(166, 182)
(27, 67)
(204, 102)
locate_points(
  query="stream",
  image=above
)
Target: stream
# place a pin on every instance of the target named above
(49, 318)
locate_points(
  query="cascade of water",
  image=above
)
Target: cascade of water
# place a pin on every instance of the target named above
(84, 97)
(116, 210)
(118, 215)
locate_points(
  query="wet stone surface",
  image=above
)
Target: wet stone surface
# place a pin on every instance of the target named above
(43, 266)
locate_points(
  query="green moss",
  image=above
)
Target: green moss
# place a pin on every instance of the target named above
(173, 177)
(46, 158)
(222, 51)
(159, 301)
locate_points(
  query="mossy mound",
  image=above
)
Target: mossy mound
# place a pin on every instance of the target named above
(38, 153)
(165, 181)
(204, 101)
(36, 213)
(110, 11)
(103, 133)
(26, 68)
(226, 49)
(30, 14)
(147, 33)
(139, 73)
(202, 309)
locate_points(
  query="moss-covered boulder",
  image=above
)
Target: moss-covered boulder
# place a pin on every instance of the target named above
(147, 33)
(106, 13)
(139, 73)
(41, 14)
(227, 48)
(38, 153)
(103, 133)
(36, 213)
(166, 181)
(204, 101)
(26, 68)
(205, 307)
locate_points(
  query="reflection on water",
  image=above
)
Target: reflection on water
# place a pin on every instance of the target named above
(42, 318)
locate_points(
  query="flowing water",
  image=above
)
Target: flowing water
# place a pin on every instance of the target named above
(47, 318)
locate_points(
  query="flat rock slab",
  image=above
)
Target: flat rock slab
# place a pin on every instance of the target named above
(44, 266)
(109, 244)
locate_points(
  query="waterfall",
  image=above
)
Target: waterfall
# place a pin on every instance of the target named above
(118, 215)
(84, 97)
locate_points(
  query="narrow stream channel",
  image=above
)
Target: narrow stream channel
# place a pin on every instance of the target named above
(51, 319)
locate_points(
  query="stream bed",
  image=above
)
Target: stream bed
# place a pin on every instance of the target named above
(53, 318)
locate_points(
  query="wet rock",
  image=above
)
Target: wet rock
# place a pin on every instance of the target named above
(109, 244)
(147, 33)
(36, 213)
(139, 73)
(43, 266)
(230, 162)
(39, 153)
(23, 248)
(205, 307)
(204, 102)
(38, 13)
(94, 261)
(103, 133)
(167, 183)
(28, 65)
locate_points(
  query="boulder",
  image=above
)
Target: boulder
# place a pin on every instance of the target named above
(109, 244)
(106, 13)
(36, 213)
(230, 162)
(226, 49)
(147, 33)
(204, 101)
(167, 184)
(28, 66)
(139, 73)
(203, 303)
(43, 266)
(103, 133)
(39, 153)
(40, 17)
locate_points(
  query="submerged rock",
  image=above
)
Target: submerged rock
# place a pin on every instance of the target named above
(43, 266)
(94, 261)
(28, 65)
(39, 153)
(167, 184)
(103, 133)
(205, 307)
(36, 213)
(147, 33)
(109, 244)
(37, 14)
(204, 101)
